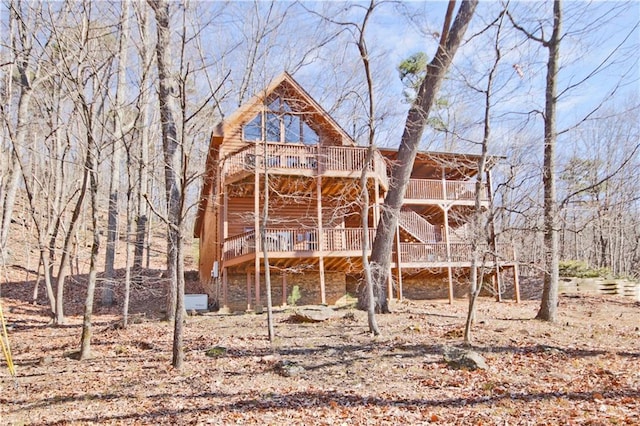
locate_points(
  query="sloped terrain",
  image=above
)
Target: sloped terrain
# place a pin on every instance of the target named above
(583, 370)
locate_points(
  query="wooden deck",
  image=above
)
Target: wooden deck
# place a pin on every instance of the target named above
(435, 190)
(347, 242)
(302, 160)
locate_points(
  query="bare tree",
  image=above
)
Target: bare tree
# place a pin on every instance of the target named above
(364, 187)
(416, 122)
(85, 340)
(146, 56)
(480, 221)
(174, 163)
(26, 75)
(117, 146)
(549, 302)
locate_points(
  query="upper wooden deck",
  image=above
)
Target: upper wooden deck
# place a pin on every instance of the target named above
(303, 160)
(341, 161)
(420, 191)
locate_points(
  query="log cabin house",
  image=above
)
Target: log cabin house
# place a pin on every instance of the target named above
(282, 150)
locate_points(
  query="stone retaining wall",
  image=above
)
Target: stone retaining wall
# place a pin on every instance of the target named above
(308, 285)
(621, 287)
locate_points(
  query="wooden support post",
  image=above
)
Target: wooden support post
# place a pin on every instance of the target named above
(225, 215)
(256, 230)
(225, 288)
(450, 278)
(445, 210)
(516, 275)
(320, 240)
(494, 240)
(496, 285)
(248, 291)
(376, 204)
(399, 263)
(284, 289)
(516, 282)
(223, 234)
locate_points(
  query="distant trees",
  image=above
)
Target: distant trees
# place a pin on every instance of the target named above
(549, 36)
(599, 194)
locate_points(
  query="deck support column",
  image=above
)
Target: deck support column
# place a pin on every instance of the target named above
(225, 289)
(248, 291)
(445, 210)
(494, 240)
(450, 278)
(284, 289)
(224, 232)
(516, 274)
(516, 282)
(256, 230)
(320, 239)
(399, 262)
(376, 204)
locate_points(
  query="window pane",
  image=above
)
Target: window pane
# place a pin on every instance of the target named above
(309, 137)
(291, 128)
(253, 130)
(284, 107)
(272, 128)
(274, 105)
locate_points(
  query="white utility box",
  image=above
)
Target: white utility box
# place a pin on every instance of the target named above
(195, 302)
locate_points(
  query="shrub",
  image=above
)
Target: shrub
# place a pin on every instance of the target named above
(579, 269)
(294, 296)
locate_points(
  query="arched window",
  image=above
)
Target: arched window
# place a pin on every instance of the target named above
(279, 123)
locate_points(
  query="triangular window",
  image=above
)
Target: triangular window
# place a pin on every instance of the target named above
(281, 125)
(253, 129)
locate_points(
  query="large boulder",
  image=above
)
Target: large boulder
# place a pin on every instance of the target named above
(463, 359)
(312, 314)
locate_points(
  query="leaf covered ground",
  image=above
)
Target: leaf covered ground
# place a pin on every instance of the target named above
(585, 369)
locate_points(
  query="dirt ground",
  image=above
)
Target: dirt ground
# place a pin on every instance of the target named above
(585, 369)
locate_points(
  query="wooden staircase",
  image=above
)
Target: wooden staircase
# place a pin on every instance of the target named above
(418, 227)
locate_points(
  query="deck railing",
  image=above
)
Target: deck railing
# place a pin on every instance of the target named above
(434, 189)
(460, 252)
(303, 157)
(296, 240)
(351, 240)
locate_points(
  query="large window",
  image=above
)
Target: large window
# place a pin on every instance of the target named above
(278, 123)
(253, 129)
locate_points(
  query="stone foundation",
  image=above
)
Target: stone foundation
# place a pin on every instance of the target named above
(308, 286)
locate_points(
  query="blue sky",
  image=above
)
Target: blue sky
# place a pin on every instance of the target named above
(595, 33)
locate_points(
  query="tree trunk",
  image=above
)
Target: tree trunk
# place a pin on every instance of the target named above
(129, 244)
(410, 142)
(85, 341)
(179, 314)
(263, 235)
(145, 117)
(549, 303)
(479, 223)
(170, 144)
(116, 159)
(369, 294)
(364, 217)
(63, 270)
(8, 199)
